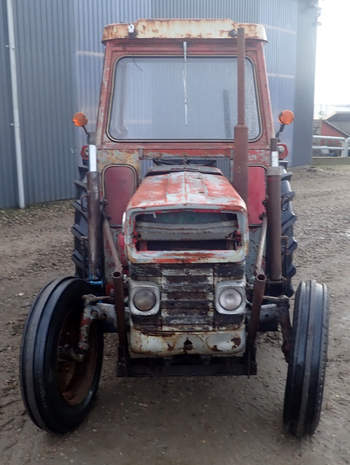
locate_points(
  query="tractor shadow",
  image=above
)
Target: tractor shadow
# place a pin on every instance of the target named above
(202, 420)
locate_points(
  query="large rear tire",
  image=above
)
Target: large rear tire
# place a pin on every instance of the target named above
(80, 227)
(288, 219)
(57, 390)
(308, 358)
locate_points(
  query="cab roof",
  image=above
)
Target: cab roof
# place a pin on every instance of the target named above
(182, 29)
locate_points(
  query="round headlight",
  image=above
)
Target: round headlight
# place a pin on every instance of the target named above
(144, 299)
(230, 299)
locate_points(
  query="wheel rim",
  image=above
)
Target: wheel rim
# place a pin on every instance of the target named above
(74, 378)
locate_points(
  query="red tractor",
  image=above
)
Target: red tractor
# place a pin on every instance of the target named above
(183, 234)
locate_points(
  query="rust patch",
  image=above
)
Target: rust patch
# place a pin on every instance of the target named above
(236, 341)
(184, 188)
(197, 342)
(183, 29)
(106, 158)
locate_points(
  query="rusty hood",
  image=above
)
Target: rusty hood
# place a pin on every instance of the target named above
(186, 190)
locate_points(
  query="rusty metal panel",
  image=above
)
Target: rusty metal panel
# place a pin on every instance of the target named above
(256, 194)
(187, 188)
(176, 343)
(192, 191)
(119, 184)
(183, 28)
(187, 298)
(187, 295)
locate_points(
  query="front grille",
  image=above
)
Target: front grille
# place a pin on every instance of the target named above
(187, 293)
(187, 297)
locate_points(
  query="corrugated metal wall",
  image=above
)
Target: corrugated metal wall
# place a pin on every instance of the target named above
(45, 74)
(60, 57)
(8, 179)
(59, 61)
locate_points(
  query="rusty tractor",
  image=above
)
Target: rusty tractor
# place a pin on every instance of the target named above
(183, 234)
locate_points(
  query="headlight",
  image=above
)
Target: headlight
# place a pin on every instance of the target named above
(144, 299)
(230, 299)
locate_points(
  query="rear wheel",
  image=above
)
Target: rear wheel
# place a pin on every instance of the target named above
(288, 219)
(308, 358)
(80, 227)
(57, 390)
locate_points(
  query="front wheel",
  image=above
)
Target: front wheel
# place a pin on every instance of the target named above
(57, 390)
(308, 358)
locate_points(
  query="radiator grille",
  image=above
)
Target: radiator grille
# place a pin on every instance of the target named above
(187, 297)
(187, 293)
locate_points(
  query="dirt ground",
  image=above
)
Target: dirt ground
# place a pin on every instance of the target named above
(180, 421)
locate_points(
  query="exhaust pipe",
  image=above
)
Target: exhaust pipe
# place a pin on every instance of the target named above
(240, 164)
(94, 224)
(274, 215)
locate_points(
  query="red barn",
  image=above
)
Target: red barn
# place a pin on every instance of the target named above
(328, 128)
(336, 125)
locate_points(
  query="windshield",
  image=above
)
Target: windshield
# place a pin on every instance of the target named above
(180, 98)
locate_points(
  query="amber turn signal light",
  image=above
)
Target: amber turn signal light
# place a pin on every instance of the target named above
(79, 119)
(286, 117)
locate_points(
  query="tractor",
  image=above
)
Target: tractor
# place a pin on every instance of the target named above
(183, 233)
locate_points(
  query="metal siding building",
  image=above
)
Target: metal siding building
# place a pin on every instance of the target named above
(59, 64)
(44, 66)
(304, 83)
(8, 179)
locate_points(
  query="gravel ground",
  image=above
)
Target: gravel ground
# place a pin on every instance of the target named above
(180, 421)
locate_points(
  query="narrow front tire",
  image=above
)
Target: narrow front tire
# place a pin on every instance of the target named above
(57, 390)
(308, 358)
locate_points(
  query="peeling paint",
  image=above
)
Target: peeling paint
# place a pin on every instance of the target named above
(188, 191)
(184, 189)
(163, 344)
(183, 29)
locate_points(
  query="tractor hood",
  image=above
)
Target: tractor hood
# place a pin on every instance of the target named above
(187, 189)
(186, 216)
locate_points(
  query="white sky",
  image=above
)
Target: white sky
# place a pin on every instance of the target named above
(332, 84)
